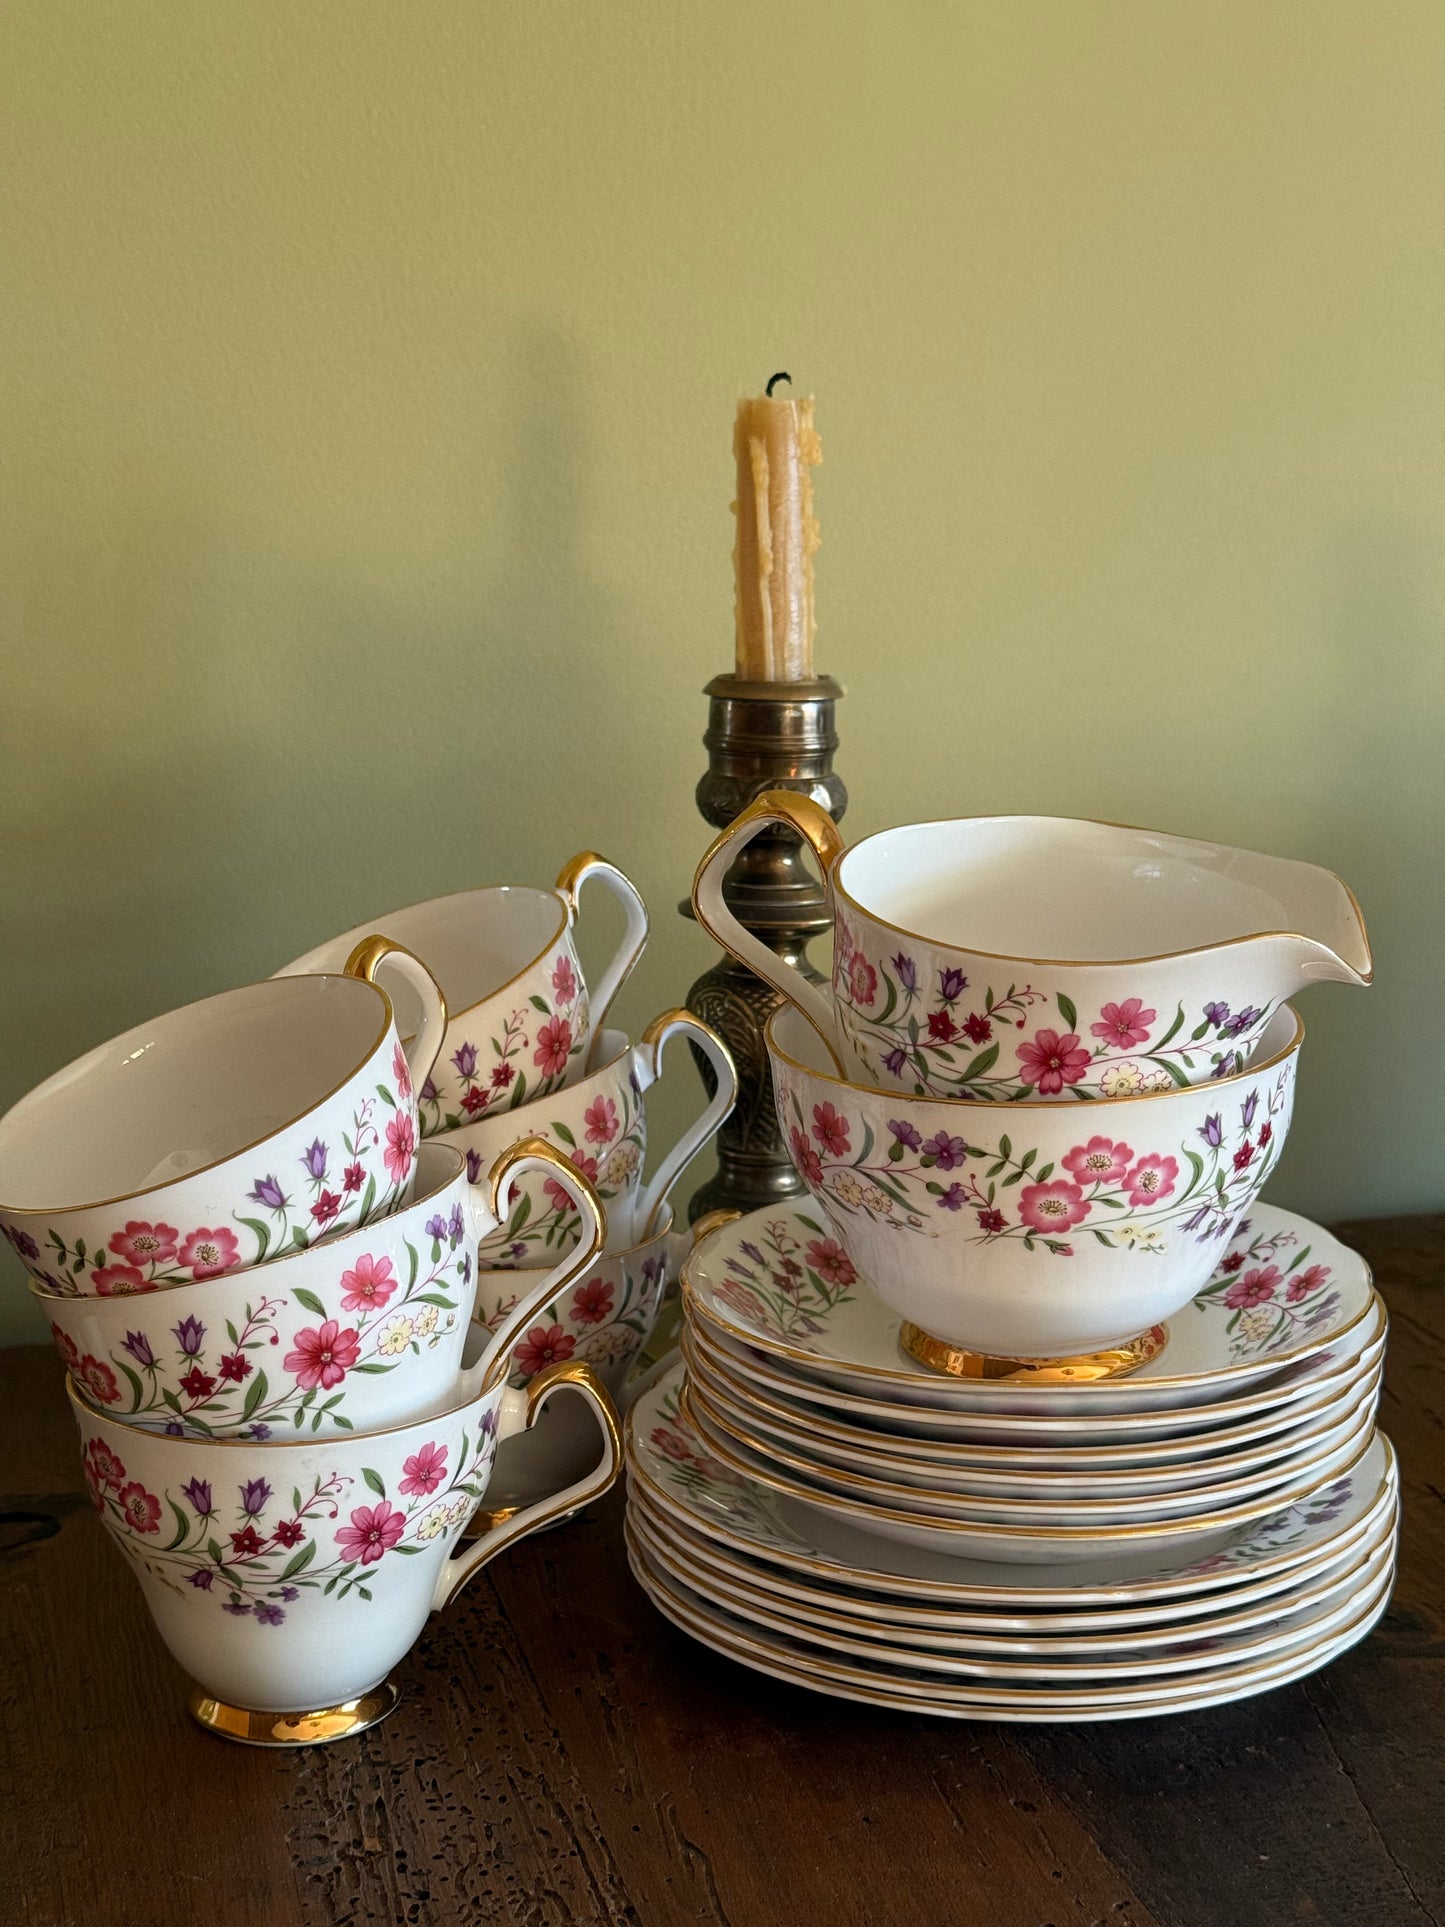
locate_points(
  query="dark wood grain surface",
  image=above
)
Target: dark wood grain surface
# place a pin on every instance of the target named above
(563, 1755)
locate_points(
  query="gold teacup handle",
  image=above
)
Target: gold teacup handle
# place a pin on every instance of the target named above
(575, 1376)
(774, 809)
(423, 1050)
(536, 1155)
(570, 878)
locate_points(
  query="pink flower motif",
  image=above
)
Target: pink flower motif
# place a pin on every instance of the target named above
(842, 943)
(592, 1303)
(367, 1285)
(323, 1355)
(206, 1254)
(142, 1509)
(424, 1471)
(102, 1465)
(1306, 1281)
(862, 979)
(400, 1145)
(374, 1530)
(831, 1261)
(830, 1128)
(1051, 1061)
(1100, 1161)
(554, 1047)
(1124, 1025)
(119, 1281)
(67, 1347)
(326, 1207)
(806, 1158)
(543, 1345)
(145, 1244)
(564, 981)
(581, 1161)
(1055, 1206)
(98, 1380)
(1252, 1288)
(600, 1118)
(1151, 1179)
(401, 1070)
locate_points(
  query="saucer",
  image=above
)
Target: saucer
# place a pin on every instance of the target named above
(1283, 1292)
(718, 1501)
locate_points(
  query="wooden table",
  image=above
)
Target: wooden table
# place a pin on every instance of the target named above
(562, 1755)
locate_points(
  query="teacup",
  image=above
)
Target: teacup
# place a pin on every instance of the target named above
(522, 1020)
(287, 1579)
(361, 1332)
(601, 1124)
(1069, 1232)
(251, 1124)
(1025, 957)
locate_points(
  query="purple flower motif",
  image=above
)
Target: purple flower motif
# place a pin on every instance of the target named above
(750, 1250)
(489, 1422)
(202, 1579)
(652, 1269)
(952, 1199)
(906, 971)
(259, 1432)
(947, 1153)
(268, 1191)
(198, 1491)
(906, 1133)
(190, 1335)
(234, 1606)
(1212, 1131)
(1193, 1223)
(173, 1429)
(465, 1060)
(429, 1092)
(1251, 1105)
(288, 1593)
(139, 1347)
(23, 1243)
(1216, 1013)
(951, 985)
(270, 1615)
(474, 1166)
(436, 1226)
(254, 1494)
(894, 1060)
(466, 1268)
(314, 1158)
(517, 1252)
(456, 1227)
(1228, 1064)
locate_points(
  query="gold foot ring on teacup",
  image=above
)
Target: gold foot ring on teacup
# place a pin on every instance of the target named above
(316, 1728)
(1116, 1361)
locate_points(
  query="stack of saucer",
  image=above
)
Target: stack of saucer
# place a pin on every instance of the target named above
(806, 1498)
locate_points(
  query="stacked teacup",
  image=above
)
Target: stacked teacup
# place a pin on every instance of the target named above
(1031, 1313)
(527, 1056)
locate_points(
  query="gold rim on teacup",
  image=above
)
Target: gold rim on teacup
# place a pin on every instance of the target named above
(284, 1730)
(1084, 1368)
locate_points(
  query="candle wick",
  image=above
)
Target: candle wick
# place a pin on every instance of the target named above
(781, 376)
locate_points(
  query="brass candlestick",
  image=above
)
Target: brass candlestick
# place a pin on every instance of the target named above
(761, 736)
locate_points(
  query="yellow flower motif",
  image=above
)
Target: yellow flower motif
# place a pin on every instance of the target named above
(395, 1336)
(435, 1522)
(1157, 1081)
(621, 1165)
(458, 1509)
(1122, 1080)
(1141, 1237)
(847, 1188)
(426, 1321)
(1254, 1324)
(876, 1200)
(609, 1346)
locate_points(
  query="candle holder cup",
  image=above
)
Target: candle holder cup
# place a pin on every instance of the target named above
(761, 736)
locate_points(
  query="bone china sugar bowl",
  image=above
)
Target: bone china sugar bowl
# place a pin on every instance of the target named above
(1026, 957)
(1033, 1230)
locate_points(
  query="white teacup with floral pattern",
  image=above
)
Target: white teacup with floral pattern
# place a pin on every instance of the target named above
(288, 1578)
(1068, 1232)
(251, 1124)
(1016, 958)
(522, 1020)
(363, 1331)
(601, 1125)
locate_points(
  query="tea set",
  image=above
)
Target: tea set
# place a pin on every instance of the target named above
(320, 1252)
(1028, 1407)
(1025, 1407)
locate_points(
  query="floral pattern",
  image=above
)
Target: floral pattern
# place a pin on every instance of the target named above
(1273, 1297)
(305, 1196)
(1104, 1187)
(538, 1048)
(782, 1284)
(196, 1379)
(931, 1031)
(605, 1320)
(255, 1554)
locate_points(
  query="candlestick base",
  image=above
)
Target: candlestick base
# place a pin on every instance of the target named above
(761, 736)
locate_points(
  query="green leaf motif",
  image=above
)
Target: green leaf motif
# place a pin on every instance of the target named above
(299, 1561)
(308, 1301)
(254, 1395)
(1067, 1011)
(374, 1480)
(539, 1003)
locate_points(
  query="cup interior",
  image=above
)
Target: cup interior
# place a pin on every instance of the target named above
(186, 1090)
(474, 942)
(1056, 889)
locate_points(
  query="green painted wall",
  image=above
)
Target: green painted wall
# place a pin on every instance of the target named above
(367, 382)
